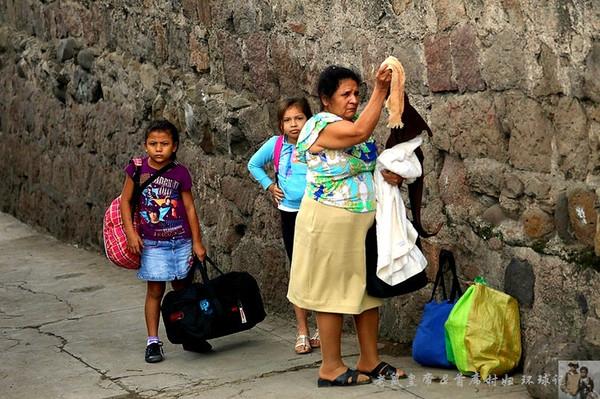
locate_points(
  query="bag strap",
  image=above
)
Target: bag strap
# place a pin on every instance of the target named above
(156, 175)
(139, 188)
(205, 269)
(137, 164)
(447, 259)
(439, 279)
(201, 266)
(277, 154)
(455, 291)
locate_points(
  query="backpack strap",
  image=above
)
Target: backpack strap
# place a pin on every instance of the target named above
(137, 164)
(277, 153)
(158, 173)
(139, 188)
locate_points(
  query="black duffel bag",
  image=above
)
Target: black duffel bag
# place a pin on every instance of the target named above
(221, 306)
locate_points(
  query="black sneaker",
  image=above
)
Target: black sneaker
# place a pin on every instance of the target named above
(154, 352)
(198, 347)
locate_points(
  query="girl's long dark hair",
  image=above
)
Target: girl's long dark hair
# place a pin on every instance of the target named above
(286, 103)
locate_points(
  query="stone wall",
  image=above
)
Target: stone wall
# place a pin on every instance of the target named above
(510, 89)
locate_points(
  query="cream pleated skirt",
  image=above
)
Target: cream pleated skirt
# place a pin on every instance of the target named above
(328, 272)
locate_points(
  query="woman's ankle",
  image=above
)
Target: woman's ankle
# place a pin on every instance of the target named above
(332, 371)
(367, 364)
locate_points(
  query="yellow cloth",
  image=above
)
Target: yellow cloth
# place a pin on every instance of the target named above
(328, 272)
(395, 101)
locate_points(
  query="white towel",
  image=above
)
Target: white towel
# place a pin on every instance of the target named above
(398, 256)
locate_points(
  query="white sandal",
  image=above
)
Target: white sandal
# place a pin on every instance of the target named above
(315, 340)
(302, 345)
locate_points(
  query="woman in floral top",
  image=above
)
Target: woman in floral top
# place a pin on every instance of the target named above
(328, 273)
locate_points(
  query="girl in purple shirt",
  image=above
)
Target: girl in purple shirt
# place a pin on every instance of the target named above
(168, 233)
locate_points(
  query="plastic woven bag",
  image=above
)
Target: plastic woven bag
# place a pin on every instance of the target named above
(483, 332)
(113, 232)
(115, 240)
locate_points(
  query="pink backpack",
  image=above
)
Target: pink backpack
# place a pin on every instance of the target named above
(115, 240)
(277, 153)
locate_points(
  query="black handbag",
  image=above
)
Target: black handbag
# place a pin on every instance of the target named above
(380, 289)
(224, 305)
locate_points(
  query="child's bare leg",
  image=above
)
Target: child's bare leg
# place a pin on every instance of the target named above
(154, 294)
(301, 320)
(302, 344)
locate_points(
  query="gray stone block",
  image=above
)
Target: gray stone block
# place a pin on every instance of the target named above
(519, 282)
(513, 186)
(530, 128)
(22, 68)
(591, 86)
(494, 215)
(561, 218)
(503, 63)
(66, 49)
(85, 59)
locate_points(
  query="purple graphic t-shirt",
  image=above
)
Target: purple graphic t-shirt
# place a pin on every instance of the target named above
(162, 213)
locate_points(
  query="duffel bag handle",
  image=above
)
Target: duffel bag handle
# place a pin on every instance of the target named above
(212, 263)
(446, 258)
(200, 265)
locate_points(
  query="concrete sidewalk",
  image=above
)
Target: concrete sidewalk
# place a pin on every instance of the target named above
(72, 327)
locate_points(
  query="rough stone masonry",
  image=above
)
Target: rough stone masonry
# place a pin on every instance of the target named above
(510, 89)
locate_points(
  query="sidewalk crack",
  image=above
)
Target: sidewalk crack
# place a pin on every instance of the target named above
(103, 374)
(203, 387)
(21, 286)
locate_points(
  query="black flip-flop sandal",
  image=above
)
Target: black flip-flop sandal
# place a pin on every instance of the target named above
(348, 378)
(386, 371)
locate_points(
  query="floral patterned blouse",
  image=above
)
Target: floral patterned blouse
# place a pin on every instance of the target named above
(340, 178)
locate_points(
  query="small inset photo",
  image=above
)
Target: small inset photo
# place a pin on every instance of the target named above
(579, 379)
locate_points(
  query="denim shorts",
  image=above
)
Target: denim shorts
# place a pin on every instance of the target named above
(165, 260)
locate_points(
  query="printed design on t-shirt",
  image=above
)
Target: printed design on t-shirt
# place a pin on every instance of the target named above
(292, 156)
(160, 203)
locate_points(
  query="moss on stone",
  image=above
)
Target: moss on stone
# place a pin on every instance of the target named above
(539, 247)
(486, 231)
(582, 258)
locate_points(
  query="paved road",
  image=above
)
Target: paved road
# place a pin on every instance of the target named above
(72, 327)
